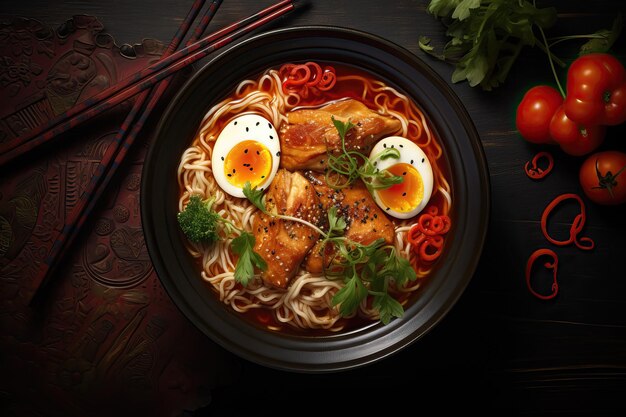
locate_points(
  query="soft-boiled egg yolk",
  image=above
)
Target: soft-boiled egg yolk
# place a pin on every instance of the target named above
(247, 161)
(407, 195)
(406, 199)
(247, 150)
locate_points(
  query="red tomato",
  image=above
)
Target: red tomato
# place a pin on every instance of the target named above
(596, 90)
(535, 112)
(573, 138)
(603, 177)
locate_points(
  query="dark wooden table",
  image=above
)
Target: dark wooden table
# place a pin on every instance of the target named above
(500, 349)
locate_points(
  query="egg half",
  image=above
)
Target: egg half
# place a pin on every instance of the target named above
(408, 198)
(246, 150)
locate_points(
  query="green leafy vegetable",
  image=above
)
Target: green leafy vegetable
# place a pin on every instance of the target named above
(354, 165)
(199, 222)
(350, 296)
(255, 196)
(487, 36)
(243, 245)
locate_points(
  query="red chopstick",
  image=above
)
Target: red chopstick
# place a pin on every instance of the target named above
(108, 166)
(141, 80)
(104, 172)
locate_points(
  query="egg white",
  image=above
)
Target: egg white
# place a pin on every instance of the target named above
(241, 128)
(410, 154)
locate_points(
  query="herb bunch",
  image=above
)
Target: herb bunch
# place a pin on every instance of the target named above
(487, 36)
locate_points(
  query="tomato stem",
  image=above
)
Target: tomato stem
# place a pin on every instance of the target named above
(556, 77)
(607, 181)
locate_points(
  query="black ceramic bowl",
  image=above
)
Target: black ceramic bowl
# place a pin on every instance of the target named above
(179, 273)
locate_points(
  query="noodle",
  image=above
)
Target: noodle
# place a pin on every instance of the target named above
(306, 303)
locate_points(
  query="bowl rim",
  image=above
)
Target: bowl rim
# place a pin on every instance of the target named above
(304, 353)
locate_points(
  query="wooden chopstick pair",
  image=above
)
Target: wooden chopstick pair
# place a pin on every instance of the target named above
(154, 80)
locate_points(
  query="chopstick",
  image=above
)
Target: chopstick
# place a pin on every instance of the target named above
(114, 156)
(142, 80)
(124, 139)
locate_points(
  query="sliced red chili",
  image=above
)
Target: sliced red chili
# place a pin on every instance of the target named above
(532, 168)
(549, 265)
(575, 228)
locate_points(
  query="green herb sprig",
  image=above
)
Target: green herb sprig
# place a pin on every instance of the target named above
(353, 165)
(487, 36)
(201, 224)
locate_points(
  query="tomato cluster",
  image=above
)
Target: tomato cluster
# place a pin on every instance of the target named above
(596, 98)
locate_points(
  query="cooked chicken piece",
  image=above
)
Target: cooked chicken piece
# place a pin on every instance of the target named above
(365, 222)
(283, 244)
(309, 133)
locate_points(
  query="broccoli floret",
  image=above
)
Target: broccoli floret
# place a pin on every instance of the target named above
(199, 222)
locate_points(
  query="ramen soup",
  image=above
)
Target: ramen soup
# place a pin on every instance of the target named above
(329, 198)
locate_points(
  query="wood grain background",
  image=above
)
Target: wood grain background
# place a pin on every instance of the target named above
(499, 349)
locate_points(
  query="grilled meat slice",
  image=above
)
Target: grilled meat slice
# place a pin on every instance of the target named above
(310, 133)
(365, 220)
(283, 244)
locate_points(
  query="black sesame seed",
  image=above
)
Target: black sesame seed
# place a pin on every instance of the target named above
(258, 123)
(258, 153)
(375, 215)
(235, 122)
(245, 151)
(271, 137)
(403, 194)
(230, 175)
(387, 209)
(404, 173)
(384, 145)
(262, 176)
(412, 162)
(402, 146)
(234, 170)
(278, 153)
(247, 129)
(322, 161)
(392, 146)
(222, 158)
(269, 125)
(422, 160)
(251, 169)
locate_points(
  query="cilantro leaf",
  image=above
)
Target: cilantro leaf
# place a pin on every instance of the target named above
(243, 245)
(387, 307)
(350, 296)
(462, 10)
(342, 127)
(255, 196)
(336, 224)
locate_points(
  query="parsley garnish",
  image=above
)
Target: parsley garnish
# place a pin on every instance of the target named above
(354, 165)
(487, 36)
(243, 245)
(201, 224)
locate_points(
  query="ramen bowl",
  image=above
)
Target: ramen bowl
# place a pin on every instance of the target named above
(304, 351)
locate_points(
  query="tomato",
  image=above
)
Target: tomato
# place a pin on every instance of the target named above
(603, 177)
(535, 112)
(573, 138)
(596, 90)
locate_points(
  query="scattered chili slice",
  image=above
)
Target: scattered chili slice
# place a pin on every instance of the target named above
(575, 228)
(549, 265)
(303, 78)
(426, 236)
(534, 171)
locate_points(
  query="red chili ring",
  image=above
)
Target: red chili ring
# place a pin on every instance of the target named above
(575, 228)
(554, 266)
(534, 171)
